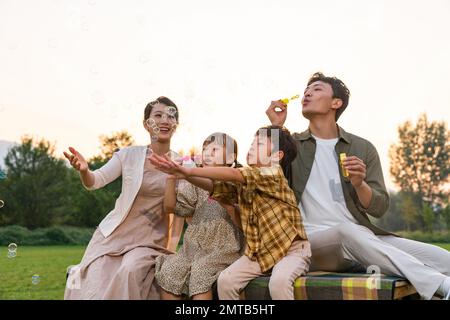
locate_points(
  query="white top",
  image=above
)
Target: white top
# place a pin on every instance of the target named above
(128, 163)
(322, 204)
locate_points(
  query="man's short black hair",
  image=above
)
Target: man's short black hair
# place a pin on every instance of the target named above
(286, 144)
(340, 90)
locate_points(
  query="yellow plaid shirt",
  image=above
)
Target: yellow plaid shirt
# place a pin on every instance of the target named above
(270, 216)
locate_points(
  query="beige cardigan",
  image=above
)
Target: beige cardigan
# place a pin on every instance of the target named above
(129, 163)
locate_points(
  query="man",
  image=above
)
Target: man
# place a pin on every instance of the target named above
(335, 208)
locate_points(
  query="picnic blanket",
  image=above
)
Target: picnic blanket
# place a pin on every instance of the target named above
(331, 286)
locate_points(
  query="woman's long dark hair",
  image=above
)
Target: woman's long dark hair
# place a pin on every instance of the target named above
(164, 100)
(286, 144)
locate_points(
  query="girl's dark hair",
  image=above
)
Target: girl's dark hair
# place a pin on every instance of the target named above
(227, 142)
(164, 100)
(286, 144)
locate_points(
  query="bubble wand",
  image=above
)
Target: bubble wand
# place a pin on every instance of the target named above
(287, 100)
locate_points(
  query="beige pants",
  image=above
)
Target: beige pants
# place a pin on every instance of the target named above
(424, 265)
(236, 277)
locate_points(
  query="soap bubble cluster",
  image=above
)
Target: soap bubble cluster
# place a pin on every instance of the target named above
(35, 279)
(12, 250)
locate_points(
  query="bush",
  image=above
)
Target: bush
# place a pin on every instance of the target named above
(13, 234)
(60, 235)
(437, 236)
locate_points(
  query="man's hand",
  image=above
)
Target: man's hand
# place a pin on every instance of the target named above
(167, 165)
(277, 118)
(356, 170)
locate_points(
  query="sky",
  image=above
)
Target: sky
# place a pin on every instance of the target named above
(71, 71)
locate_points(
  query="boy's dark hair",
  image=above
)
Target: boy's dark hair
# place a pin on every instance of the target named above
(340, 90)
(287, 145)
(227, 142)
(164, 100)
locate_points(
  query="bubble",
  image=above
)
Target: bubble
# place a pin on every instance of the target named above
(94, 70)
(156, 130)
(144, 57)
(13, 46)
(172, 111)
(35, 279)
(2, 203)
(141, 20)
(52, 43)
(12, 250)
(98, 98)
(2, 174)
(12, 247)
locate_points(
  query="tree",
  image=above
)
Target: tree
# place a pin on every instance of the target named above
(35, 190)
(409, 210)
(446, 215)
(112, 143)
(393, 220)
(89, 207)
(420, 160)
(428, 216)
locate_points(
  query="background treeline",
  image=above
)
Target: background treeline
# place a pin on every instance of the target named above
(45, 203)
(44, 200)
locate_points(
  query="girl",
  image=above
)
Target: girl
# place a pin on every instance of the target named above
(120, 258)
(211, 241)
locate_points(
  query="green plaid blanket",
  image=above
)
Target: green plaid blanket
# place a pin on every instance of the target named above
(331, 286)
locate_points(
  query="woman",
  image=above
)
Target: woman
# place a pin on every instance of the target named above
(119, 262)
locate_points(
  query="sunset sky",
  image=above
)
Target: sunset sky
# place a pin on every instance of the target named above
(73, 70)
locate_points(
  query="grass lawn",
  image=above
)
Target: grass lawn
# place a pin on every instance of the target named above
(443, 245)
(50, 264)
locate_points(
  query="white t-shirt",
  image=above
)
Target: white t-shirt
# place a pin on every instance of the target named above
(322, 204)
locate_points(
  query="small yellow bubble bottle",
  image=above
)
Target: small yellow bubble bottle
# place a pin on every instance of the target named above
(342, 157)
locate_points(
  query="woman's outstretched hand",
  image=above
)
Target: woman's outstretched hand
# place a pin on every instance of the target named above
(76, 159)
(167, 165)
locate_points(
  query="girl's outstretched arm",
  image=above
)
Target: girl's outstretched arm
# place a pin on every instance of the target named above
(169, 166)
(217, 173)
